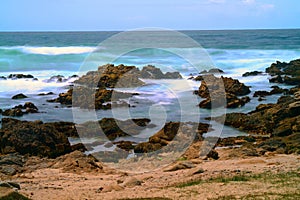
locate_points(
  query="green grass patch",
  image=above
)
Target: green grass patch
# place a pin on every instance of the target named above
(278, 179)
(153, 198)
(265, 196)
(219, 179)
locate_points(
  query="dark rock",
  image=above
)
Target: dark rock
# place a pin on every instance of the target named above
(91, 99)
(272, 145)
(79, 147)
(261, 93)
(112, 128)
(110, 76)
(125, 145)
(212, 71)
(151, 72)
(12, 163)
(9, 193)
(222, 92)
(17, 110)
(254, 73)
(292, 80)
(44, 94)
(73, 76)
(212, 83)
(3, 78)
(18, 76)
(291, 71)
(57, 78)
(10, 185)
(167, 134)
(14, 112)
(276, 79)
(32, 138)
(19, 96)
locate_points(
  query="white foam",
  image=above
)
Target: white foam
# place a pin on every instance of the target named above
(52, 50)
(58, 50)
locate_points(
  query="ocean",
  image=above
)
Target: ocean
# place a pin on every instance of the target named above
(45, 54)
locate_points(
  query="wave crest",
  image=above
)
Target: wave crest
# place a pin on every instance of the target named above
(52, 50)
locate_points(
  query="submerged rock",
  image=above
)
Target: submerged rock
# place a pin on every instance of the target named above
(253, 73)
(19, 96)
(17, 111)
(18, 76)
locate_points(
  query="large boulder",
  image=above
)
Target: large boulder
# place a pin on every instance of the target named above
(33, 138)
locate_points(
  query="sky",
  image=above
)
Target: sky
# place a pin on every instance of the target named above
(83, 15)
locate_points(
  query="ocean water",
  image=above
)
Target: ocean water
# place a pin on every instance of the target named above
(45, 54)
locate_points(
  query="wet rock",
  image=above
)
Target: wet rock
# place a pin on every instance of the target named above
(212, 71)
(277, 121)
(19, 96)
(45, 94)
(221, 92)
(18, 76)
(110, 76)
(291, 71)
(261, 93)
(14, 112)
(151, 72)
(57, 78)
(125, 145)
(17, 111)
(253, 73)
(3, 78)
(276, 79)
(91, 99)
(230, 101)
(212, 83)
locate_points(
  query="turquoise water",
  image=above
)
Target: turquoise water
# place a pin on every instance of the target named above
(44, 54)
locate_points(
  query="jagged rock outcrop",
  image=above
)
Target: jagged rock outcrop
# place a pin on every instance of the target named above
(222, 91)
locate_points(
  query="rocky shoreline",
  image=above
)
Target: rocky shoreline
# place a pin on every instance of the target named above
(27, 147)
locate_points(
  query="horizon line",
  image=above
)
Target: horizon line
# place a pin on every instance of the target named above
(229, 29)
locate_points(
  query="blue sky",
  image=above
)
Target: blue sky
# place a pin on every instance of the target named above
(56, 15)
